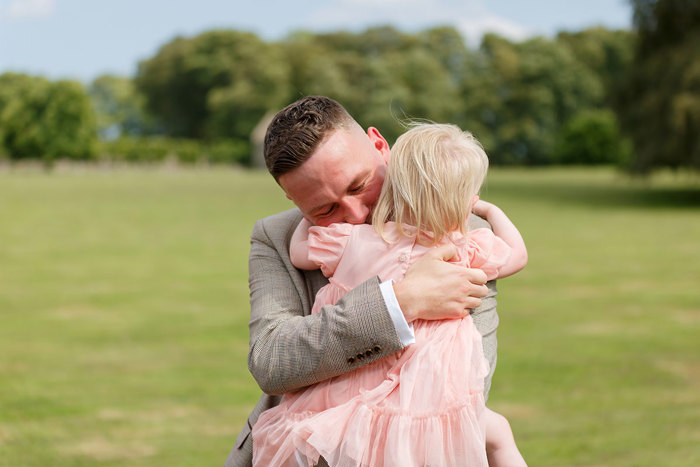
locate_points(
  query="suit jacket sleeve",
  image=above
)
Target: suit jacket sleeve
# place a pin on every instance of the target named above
(289, 347)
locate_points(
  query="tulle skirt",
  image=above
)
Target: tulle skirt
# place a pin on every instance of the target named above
(423, 406)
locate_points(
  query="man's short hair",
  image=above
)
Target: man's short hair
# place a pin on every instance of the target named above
(297, 130)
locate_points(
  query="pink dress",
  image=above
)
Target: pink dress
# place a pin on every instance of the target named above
(421, 406)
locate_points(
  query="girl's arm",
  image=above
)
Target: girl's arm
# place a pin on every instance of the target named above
(506, 230)
(299, 247)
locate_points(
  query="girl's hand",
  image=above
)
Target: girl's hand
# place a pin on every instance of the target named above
(503, 227)
(481, 208)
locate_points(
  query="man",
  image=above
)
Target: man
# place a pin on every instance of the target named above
(333, 171)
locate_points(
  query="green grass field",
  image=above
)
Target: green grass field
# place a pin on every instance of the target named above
(124, 309)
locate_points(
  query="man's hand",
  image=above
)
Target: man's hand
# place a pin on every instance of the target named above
(436, 289)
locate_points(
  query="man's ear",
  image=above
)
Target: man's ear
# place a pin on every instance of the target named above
(379, 143)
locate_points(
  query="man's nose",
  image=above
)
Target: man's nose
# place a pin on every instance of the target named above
(356, 212)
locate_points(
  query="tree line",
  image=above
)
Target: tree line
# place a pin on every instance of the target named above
(596, 96)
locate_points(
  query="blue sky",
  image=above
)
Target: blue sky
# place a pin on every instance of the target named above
(84, 38)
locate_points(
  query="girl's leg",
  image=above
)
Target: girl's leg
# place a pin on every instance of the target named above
(501, 450)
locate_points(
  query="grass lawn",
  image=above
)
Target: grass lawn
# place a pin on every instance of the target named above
(124, 309)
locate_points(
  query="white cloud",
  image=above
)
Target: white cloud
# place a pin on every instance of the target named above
(21, 9)
(474, 28)
(470, 17)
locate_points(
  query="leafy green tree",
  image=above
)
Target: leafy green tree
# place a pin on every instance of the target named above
(47, 120)
(218, 84)
(660, 102)
(520, 93)
(607, 53)
(382, 76)
(425, 89)
(513, 96)
(119, 108)
(591, 137)
(337, 65)
(448, 46)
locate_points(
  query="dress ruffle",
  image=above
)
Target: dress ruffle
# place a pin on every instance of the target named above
(374, 437)
(422, 406)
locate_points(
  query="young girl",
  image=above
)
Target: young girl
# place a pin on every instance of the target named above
(425, 404)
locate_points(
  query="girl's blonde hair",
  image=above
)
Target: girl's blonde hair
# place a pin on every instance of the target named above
(434, 172)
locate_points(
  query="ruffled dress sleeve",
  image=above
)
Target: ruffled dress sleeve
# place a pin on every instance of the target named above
(487, 252)
(327, 244)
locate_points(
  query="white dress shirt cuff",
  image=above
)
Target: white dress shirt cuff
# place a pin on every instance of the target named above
(403, 328)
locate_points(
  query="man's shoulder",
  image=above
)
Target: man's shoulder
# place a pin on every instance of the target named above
(476, 222)
(278, 224)
(288, 217)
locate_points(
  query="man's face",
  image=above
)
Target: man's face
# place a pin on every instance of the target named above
(342, 179)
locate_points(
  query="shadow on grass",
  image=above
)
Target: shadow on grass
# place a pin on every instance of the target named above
(622, 193)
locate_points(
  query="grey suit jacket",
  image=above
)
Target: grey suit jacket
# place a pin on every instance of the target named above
(290, 348)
